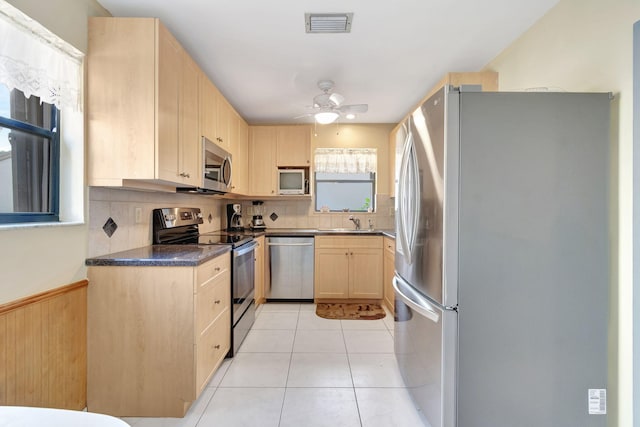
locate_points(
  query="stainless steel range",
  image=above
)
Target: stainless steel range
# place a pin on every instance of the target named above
(179, 226)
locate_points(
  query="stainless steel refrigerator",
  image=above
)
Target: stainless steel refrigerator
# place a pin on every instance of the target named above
(502, 258)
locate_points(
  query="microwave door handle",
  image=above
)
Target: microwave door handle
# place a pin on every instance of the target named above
(226, 166)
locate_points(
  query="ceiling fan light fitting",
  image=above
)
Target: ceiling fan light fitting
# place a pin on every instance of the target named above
(350, 116)
(326, 117)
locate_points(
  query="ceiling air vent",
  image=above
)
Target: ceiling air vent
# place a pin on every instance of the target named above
(328, 22)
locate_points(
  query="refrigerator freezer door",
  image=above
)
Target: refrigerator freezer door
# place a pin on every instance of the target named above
(425, 347)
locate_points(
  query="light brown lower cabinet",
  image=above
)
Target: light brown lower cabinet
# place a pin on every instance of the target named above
(156, 335)
(388, 267)
(348, 267)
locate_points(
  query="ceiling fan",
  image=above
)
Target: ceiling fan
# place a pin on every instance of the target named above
(327, 106)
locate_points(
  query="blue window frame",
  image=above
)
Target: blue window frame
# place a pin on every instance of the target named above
(29, 159)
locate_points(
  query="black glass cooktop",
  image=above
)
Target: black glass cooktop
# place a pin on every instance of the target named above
(233, 239)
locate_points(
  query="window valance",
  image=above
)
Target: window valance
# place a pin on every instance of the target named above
(346, 160)
(37, 62)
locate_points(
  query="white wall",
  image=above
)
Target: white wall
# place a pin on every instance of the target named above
(37, 258)
(586, 45)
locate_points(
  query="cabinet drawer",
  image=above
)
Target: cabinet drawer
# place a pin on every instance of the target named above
(212, 300)
(348, 242)
(211, 349)
(211, 269)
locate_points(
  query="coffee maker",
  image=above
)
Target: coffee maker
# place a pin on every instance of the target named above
(234, 217)
(257, 210)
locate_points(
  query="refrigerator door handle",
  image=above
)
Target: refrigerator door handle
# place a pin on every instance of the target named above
(414, 301)
(402, 198)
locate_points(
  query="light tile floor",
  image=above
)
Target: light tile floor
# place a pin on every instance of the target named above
(297, 369)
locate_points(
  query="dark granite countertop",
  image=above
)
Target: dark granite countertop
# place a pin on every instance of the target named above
(161, 256)
(322, 232)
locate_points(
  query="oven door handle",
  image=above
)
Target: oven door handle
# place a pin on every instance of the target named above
(247, 247)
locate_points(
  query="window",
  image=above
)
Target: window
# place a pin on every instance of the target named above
(29, 158)
(40, 75)
(345, 179)
(354, 192)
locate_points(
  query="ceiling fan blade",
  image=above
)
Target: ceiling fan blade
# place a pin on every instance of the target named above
(354, 108)
(336, 99)
(304, 115)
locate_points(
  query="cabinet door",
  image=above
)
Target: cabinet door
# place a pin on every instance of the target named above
(388, 267)
(222, 122)
(240, 184)
(262, 161)
(189, 153)
(331, 273)
(294, 145)
(211, 348)
(365, 273)
(121, 113)
(208, 108)
(169, 72)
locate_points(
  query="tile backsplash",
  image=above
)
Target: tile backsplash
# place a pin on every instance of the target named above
(123, 206)
(301, 214)
(131, 212)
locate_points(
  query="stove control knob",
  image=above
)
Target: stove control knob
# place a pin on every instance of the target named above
(199, 215)
(169, 217)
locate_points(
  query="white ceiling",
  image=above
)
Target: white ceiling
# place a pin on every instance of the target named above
(260, 57)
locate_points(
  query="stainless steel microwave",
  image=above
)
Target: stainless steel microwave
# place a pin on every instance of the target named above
(216, 167)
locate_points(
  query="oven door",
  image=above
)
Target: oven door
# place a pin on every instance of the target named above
(243, 279)
(217, 167)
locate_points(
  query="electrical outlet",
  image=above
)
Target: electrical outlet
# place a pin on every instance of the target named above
(138, 215)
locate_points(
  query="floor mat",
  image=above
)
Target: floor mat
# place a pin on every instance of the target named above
(350, 311)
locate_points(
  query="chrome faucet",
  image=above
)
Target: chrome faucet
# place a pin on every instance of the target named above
(356, 221)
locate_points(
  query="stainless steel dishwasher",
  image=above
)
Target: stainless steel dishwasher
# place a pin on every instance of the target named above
(290, 269)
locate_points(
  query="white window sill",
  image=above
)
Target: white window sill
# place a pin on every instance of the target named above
(40, 225)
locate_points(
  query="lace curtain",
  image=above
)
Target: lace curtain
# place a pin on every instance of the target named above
(346, 160)
(37, 62)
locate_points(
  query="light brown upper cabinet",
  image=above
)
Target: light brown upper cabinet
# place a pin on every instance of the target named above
(208, 109)
(271, 147)
(262, 160)
(215, 115)
(224, 127)
(293, 145)
(240, 152)
(142, 106)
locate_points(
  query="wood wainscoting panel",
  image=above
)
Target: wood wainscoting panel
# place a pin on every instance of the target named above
(43, 349)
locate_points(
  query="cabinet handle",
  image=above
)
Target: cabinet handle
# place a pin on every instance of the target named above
(216, 301)
(272, 191)
(187, 175)
(217, 346)
(351, 253)
(217, 269)
(346, 253)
